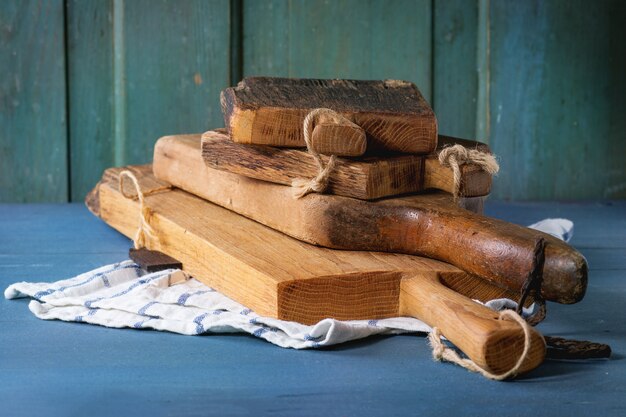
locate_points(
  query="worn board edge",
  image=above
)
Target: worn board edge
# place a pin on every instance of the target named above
(268, 299)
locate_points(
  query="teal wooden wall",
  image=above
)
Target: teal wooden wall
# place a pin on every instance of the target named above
(89, 84)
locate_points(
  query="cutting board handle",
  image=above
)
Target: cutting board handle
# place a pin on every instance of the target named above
(492, 343)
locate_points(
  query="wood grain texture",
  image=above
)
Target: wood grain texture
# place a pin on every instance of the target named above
(253, 248)
(426, 225)
(557, 88)
(271, 111)
(281, 277)
(336, 135)
(33, 124)
(544, 118)
(367, 178)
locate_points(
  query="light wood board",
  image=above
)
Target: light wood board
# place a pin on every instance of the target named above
(281, 277)
(425, 224)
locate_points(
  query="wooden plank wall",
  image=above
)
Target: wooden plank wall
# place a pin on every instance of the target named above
(555, 94)
(455, 65)
(33, 124)
(139, 70)
(90, 84)
(339, 39)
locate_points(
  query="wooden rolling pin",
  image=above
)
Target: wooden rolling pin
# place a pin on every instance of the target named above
(498, 251)
(278, 276)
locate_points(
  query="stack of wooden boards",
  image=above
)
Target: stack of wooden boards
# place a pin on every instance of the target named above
(221, 204)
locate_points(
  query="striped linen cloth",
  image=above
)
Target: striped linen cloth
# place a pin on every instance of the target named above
(123, 295)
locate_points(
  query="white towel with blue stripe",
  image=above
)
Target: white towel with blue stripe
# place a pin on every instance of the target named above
(123, 295)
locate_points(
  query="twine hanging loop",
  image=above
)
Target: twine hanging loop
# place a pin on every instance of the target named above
(442, 352)
(144, 231)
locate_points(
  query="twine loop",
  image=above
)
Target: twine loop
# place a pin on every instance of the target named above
(442, 352)
(532, 284)
(144, 231)
(317, 184)
(458, 155)
(557, 347)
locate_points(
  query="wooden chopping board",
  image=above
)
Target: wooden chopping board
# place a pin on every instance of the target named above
(368, 178)
(278, 276)
(271, 111)
(426, 224)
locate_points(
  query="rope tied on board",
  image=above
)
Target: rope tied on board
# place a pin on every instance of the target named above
(303, 186)
(532, 284)
(556, 347)
(442, 352)
(144, 231)
(458, 155)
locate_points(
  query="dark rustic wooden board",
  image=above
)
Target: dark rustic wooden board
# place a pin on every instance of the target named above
(271, 111)
(153, 260)
(364, 178)
(479, 87)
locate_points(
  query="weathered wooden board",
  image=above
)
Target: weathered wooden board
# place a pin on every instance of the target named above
(281, 277)
(271, 111)
(427, 225)
(367, 178)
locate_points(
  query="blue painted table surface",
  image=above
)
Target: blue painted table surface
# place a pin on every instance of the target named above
(50, 368)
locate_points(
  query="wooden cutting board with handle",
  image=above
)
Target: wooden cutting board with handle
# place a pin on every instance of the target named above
(366, 178)
(281, 277)
(425, 224)
(271, 111)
